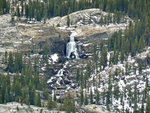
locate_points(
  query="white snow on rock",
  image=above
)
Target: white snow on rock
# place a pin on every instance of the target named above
(144, 54)
(124, 80)
(54, 57)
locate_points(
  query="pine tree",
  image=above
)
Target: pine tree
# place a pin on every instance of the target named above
(148, 105)
(86, 99)
(146, 89)
(97, 97)
(55, 99)
(6, 56)
(78, 75)
(135, 99)
(140, 68)
(109, 92)
(122, 56)
(22, 8)
(141, 44)
(146, 36)
(18, 12)
(95, 56)
(142, 107)
(116, 91)
(37, 100)
(87, 73)
(6, 95)
(31, 93)
(116, 57)
(10, 63)
(82, 97)
(17, 89)
(26, 11)
(103, 58)
(45, 52)
(49, 104)
(91, 96)
(104, 95)
(68, 18)
(0, 98)
(69, 104)
(46, 94)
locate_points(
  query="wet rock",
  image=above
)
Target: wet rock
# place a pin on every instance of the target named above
(62, 59)
(55, 45)
(73, 56)
(67, 81)
(84, 56)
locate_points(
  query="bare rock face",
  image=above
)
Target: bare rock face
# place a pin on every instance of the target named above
(22, 36)
(83, 17)
(94, 109)
(15, 107)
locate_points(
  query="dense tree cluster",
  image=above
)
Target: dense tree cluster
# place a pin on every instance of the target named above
(15, 64)
(23, 85)
(4, 7)
(51, 8)
(132, 41)
(69, 104)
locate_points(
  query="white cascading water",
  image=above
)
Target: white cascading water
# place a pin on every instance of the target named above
(71, 46)
(60, 72)
(53, 93)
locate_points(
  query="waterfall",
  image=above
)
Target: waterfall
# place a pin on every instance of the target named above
(71, 46)
(60, 72)
(53, 93)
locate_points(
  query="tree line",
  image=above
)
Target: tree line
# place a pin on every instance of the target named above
(24, 85)
(112, 91)
(4, 6)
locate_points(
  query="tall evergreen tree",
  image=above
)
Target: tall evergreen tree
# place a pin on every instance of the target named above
(10, 63)
(148, 105)
(91, 96)
(68, 18)
(69, 104)
(97, 97)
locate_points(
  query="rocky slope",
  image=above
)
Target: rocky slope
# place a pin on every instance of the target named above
(29, 37)
(14, 107)
(94, 109)
(32, 36)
